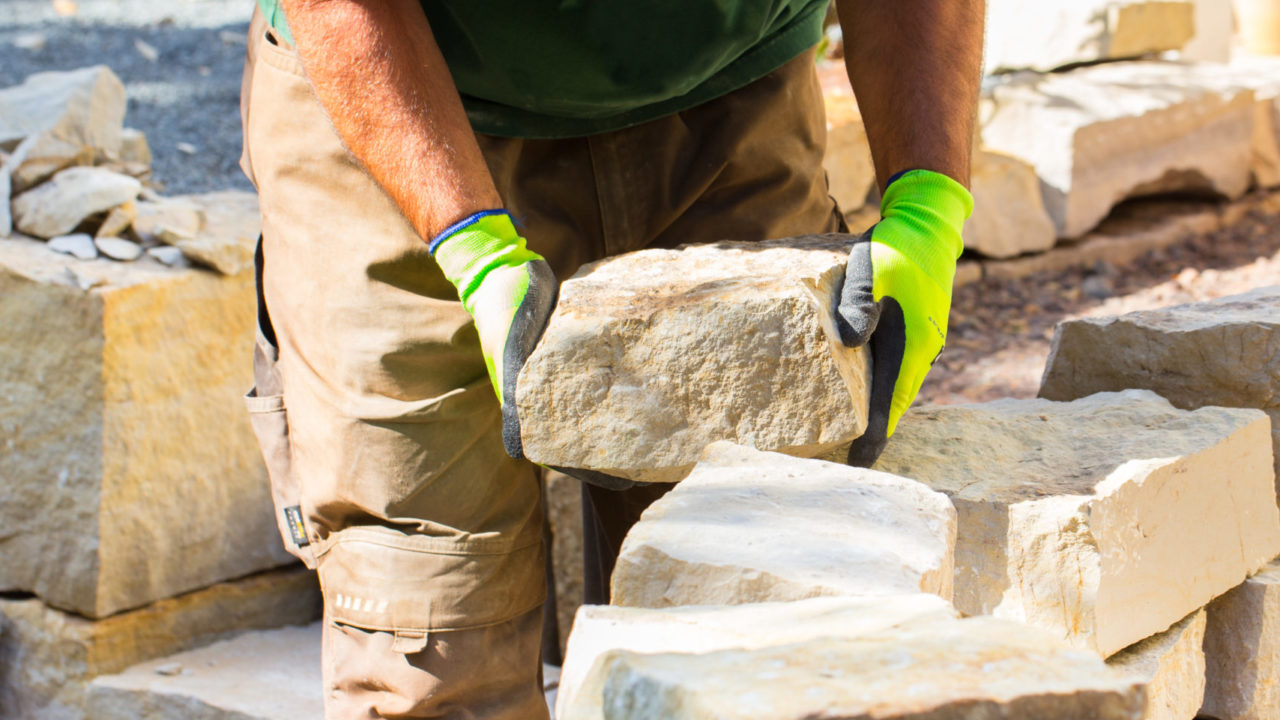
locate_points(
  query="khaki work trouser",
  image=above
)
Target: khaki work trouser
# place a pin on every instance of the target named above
(372, 403)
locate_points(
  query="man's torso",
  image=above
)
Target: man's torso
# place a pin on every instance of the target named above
(529, 68)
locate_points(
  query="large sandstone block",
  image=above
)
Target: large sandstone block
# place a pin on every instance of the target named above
(265, 675)
(601, 629)
(1242, 650)
(130, 470)
(1220, 352)
(748, 526)
(977, 668)
(1172, 666)
(1105, 520)
(651, 356)
(1048, 35)
(1101, 134)
(1008, 217)
(62, 118)
(48, 657)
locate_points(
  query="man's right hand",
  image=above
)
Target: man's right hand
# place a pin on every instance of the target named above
(510, 292)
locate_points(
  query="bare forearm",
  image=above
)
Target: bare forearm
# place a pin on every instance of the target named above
(378, 72)
(916, 67)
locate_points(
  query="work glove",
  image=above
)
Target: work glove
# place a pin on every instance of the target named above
(510, 292)
(897, 295)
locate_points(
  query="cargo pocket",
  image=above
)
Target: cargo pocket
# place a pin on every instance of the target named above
(383, 579)
(270, 421)
(271, 426)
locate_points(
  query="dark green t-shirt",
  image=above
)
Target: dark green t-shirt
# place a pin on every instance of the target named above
(566, 68)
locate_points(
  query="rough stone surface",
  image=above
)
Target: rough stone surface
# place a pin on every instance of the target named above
(850, 171)
(267, 675)
(1048, 35)
(79, 245)
(118, 248)
(601, 629)
(653, 355)
(1107, 519)
(1242, 650)
(1129, 129)
(1222, 352)
(67, 118)
(944, 669)
(58, 206)
(125, 431)
(1008, 218)
(719, 538)
(47, 657)
(1171, 665)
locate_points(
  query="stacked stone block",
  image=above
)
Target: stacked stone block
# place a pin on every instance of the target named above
(1072, 534)
(1107, 519)
(1222, 352)
(137, 512)
(1103, 525)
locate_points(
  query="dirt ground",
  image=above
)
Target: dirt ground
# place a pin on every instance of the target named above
(1001, 330)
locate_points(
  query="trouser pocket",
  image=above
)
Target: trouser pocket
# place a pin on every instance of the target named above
(271, 426)
(387, 580)
(270, 421)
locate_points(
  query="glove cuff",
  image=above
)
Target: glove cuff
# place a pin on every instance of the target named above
(470, 249)
(935, 207)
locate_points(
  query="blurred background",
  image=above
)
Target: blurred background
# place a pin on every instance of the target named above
(180, 61)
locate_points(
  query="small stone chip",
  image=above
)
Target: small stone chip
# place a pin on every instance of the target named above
(79, 245)
(169, 255)
(119, 249)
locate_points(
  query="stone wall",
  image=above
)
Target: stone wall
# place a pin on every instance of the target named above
(137, 515)
(1119, 540)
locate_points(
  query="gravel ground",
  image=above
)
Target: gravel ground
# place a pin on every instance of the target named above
(1001, 330)
(188, 96)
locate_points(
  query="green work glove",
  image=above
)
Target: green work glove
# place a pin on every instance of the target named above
(509, 291)
(897, 295)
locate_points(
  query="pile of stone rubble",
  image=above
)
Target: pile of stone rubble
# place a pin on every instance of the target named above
(1150, 99)
(79, 180)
